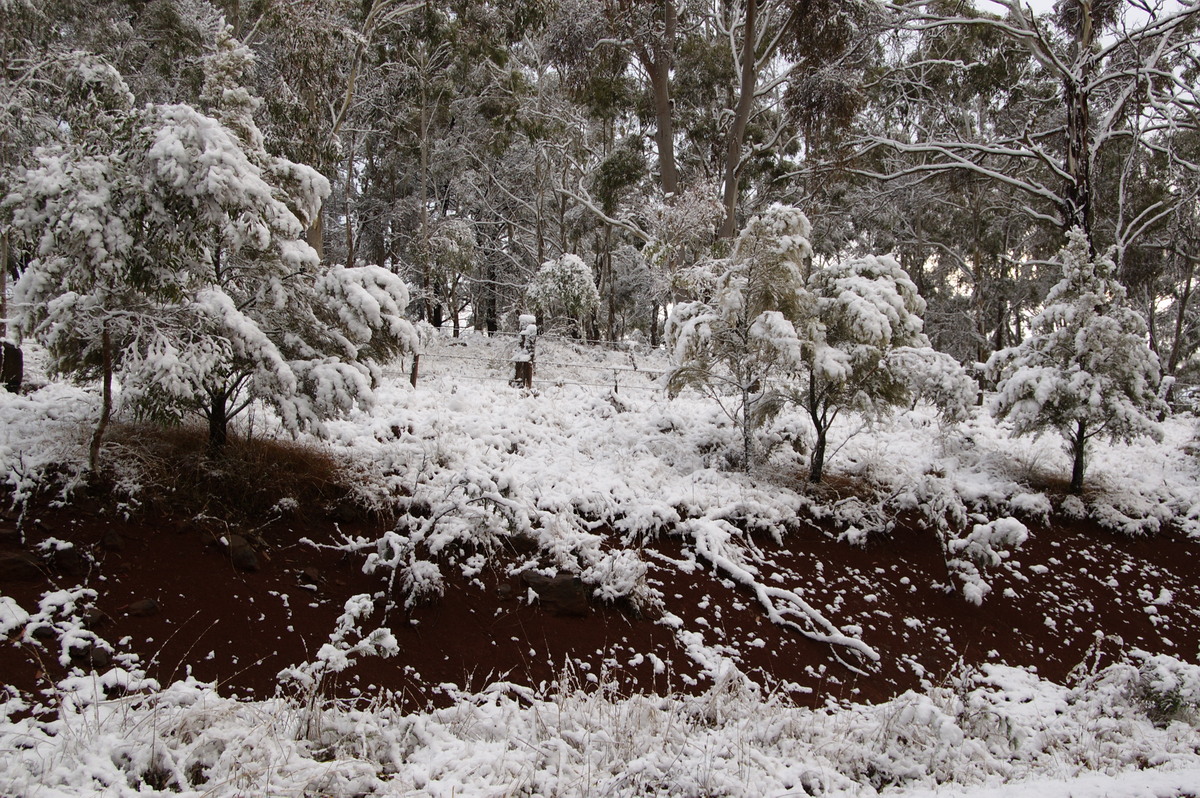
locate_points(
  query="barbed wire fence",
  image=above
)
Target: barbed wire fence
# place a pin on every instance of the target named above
(554, 370)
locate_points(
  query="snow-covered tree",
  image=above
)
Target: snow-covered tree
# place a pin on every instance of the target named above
(565, 286)
(735, 346)
(842, 336)
(170, 254)
(452, 255)
(1085, 370)
(867, 315)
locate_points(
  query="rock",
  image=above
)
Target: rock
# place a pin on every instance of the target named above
(100, 657)
(94, 618)
(143, 608)
(97, 657)
(20, 567)
(310, 576)
(505, 591)
(244, 558)
(71, 562)
(242, 554)
(563, 594)
(10, 537)
(112, 541)
(43, 633)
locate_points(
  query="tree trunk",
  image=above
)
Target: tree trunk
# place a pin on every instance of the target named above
(3, 285)
(349, 194)
(1078, 190)
(492, 323)
(607, 277)
(1078, 194)
(816, 469)
(1078, 447)
(658, 68)
(747, 430)
(741, 117)
(218, 422)
(105, 400)
(1185, 297)
(316, 234)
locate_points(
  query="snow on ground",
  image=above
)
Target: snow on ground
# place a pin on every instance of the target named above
(597, 453)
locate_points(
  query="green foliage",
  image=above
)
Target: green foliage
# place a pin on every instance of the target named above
(617, 173)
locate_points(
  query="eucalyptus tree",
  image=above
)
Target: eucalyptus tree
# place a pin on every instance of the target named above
(811, 50)
(828, 338)
(1088, 79)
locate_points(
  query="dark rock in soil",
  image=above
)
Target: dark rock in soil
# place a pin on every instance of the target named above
(242, 554)
(43, 633)
(112, 541)
(71, 562)
(97, 657)
(94, 618)
(563, 594)
(143, 608)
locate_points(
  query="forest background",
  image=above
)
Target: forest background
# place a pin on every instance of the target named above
(467, 143)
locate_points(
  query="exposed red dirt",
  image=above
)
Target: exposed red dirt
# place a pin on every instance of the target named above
(1072, 584)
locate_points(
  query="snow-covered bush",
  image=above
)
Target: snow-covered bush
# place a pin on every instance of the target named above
(937, 378)
(985, 546)
(565, 287)
(1168, 688)
(736, 346)
(1085, 370)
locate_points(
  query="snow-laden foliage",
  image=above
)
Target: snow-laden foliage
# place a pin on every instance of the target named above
(985, 546)
(565, 287)
(865, 308)
(681, 235)
(828, 338)
(1085, 370)
(936, 378)
(346, 643)
(173, 252)
(452, 247)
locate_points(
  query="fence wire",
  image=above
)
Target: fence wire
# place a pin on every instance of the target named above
(432, 357)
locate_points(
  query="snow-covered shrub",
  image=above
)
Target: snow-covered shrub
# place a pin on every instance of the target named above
(1085, 370)
(736, 346)
(565, 287)
(985, 546)
(1168, 688)
(781, 330)
(937, 378)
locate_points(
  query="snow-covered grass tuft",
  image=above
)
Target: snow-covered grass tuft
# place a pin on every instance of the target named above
(994, 726)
